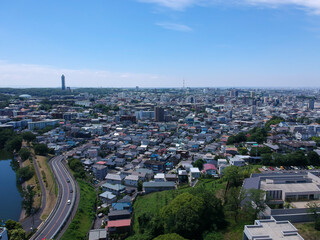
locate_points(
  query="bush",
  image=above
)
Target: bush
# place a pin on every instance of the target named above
(25, 173)
(24, 154)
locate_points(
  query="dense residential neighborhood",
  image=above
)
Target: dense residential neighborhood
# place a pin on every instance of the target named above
(127, 144)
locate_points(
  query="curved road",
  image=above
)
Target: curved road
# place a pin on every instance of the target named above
(62, 210)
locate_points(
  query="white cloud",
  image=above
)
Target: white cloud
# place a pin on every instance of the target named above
(30, 75)
(175, 26)
(173, 4)
(310, 5)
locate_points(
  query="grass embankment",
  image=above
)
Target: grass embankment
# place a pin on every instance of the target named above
(307, 231)
(49, 183)
(81, 223)
(34, 181)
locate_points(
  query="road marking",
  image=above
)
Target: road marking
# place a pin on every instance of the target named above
(61, 199)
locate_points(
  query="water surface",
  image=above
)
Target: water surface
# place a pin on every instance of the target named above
(10, 198)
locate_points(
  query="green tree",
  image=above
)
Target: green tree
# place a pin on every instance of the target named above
(170, 236)
(24, 154)
(313, 158)
(15, 230)
(11, 224)
(14, 144)
(28, 136)
(256, 202)
(199, 164)
(140, 186)
(41, 149)
(24, 174)
(235, 196)
(28, 198)
(183, 215)
(17, 234)
(233, 176)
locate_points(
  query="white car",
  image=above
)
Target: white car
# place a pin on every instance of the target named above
(69, 202)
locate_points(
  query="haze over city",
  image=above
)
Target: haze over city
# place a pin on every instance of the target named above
(158, 43)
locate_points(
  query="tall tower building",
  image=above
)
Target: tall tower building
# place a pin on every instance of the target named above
(63, 82)
(311, 104)
(159, 114)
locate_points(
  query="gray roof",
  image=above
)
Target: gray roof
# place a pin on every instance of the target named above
(158, 184)
(97, 234)
(118, 213)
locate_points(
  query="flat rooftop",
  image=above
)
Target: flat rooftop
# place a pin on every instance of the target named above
(290, 187)
(272, 229)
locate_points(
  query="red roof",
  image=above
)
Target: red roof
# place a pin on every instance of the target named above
(209, 166)
(101, 162)
(119, 223)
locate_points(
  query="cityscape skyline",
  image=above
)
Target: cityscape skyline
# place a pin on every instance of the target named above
(256, 43)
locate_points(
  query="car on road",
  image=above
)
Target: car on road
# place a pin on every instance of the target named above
(71, 191)
(68, 180)
(69, 202)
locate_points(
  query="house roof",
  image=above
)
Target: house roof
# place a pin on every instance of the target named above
(116, 187)
(209, 166)
(107, 195)
(119, 223)
(158, 184)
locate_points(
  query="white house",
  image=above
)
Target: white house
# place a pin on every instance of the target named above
(159, 177)
(194, 173)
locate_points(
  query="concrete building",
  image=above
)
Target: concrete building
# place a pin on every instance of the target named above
(42, 124)
(63, 82)
(99, 171)
(297, 189)
(159, 114)
(270, 229)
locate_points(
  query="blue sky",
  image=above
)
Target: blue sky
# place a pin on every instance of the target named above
(158, 43)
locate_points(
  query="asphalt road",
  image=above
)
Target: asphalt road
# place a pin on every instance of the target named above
(55, 222)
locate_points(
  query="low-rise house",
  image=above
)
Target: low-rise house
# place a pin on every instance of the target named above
(118, 215)
(182, 176)
(119, 226)
(239, 162)
(159, 177)
(98, 234)
(149, 187)
(107, 197)
(122, 206)
(171, 177)
(116, 189)
(131, 180)
(156, 166)
(209, 169)
(113, 178)
(194, 173)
